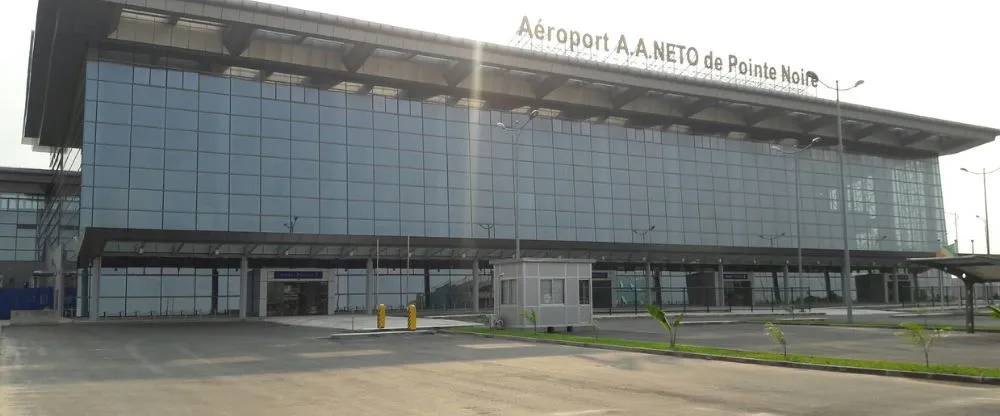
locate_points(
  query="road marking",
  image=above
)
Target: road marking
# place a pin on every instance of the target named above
(585, 412)
(498, 345)
(341, 354)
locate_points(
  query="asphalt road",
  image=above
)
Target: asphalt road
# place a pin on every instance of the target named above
(977, 349)
(260, 369)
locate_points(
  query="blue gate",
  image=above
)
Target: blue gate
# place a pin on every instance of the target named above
(24, 299)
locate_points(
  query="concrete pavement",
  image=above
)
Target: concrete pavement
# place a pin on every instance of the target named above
(265, 369)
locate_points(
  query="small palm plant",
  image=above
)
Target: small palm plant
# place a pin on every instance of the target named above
(597, 329)
(919, 336)
(532, 317)
(671, 324)
(790, 310)
(778, 336)
(994, 310)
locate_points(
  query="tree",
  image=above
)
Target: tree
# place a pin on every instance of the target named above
(919, 336)
(531, 317)
(671, 324)
(778, 336)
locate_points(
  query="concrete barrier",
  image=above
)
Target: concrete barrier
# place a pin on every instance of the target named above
(42, 317)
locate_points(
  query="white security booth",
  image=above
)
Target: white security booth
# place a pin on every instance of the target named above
(296, 292)
(559, 291)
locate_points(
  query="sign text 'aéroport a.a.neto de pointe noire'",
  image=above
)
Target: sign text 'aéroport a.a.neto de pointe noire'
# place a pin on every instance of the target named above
(673, 53)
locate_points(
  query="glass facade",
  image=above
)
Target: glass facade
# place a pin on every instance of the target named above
(19, 215)
(168, 149)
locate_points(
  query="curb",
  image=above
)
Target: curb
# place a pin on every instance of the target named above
(955, 328)
(773, 363)
(751, 321)
(380, 333)
(693, 315)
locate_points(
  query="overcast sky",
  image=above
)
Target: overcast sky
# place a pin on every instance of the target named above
(935, 59)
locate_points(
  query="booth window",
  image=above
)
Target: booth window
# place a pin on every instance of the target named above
(553, 291)
(508, 294)
(585, 292)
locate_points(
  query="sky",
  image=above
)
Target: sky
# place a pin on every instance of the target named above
(934, 59)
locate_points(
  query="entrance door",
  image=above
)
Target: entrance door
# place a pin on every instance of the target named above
(297, 298)
(738, 293)
(602, 294)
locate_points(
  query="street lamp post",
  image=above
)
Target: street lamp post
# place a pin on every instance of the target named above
(845, 272)
(798, 203)
(515, 133)
(489, 230)
(986, 203)
(646, 269)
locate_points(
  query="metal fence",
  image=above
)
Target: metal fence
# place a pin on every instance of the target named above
(703, 299)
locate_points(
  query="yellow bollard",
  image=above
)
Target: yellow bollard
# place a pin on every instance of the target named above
(411, 319)
(381, 316)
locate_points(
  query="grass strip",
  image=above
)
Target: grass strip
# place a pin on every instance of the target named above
(946, 327)
(725, 352)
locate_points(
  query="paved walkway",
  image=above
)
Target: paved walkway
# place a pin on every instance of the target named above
(266, 369)
(365, 323)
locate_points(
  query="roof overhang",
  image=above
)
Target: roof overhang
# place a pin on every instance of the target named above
(37, 181)
(975, 268)
(261, 41)
(151, 247)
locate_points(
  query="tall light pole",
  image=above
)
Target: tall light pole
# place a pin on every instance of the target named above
(986, 203)
(956, 230)
(845, 272)
(796, 150)
(515, 133)
(489, 230)
(290, 225)
(646, 268)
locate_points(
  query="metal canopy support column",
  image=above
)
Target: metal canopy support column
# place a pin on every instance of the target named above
(475, 285)
(784, 282)
(720, 286)
(244, 287)
(970, 305)
(914, 276)
(95, 289)
(369, 286)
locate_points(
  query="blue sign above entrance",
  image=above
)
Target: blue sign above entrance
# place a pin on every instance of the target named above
(297, 274)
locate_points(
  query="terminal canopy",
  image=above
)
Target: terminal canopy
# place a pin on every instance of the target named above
(975, 268)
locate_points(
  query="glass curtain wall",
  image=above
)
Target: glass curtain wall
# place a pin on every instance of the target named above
(181, 150)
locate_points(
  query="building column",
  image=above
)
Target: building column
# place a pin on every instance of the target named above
(885, 288)
(895, 282)
(332, 287)
(720, 286)
(475, 285)
(369, 286)
(95, 289)
(784, 281)
(244, 286)
(914, 286)
(82, 288)
(59, 286)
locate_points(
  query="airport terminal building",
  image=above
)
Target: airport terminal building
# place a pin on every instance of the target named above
(227, 157)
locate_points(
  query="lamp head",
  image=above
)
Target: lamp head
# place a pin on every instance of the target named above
(815, 140)
(652, 227)
(532, 115)
(501, 126)
(776, 148)
(965, 170)
(858, 84)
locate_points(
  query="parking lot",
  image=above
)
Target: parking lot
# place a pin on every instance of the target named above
(957, 347)
(266, 369)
